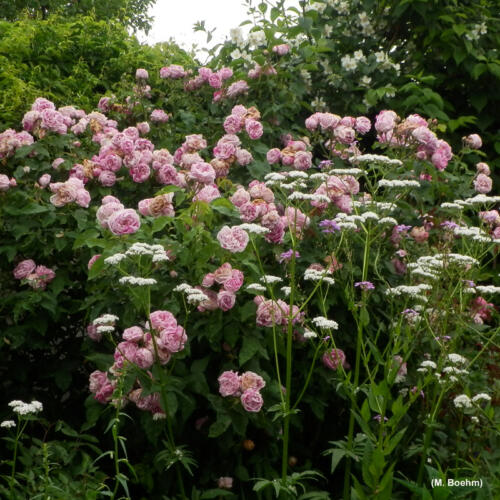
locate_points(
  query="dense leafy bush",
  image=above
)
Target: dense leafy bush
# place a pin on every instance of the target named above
(69, 60)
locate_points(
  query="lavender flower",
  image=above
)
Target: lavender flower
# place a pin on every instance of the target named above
(329, 225)
(287, 256)
(365, 285)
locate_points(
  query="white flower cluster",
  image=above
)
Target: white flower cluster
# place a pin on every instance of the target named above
(319, 176)
(481, 397)
(476, 32)
(479, 199)
(105, 319)
(345, 171)
(8, 424)
(193, 295)
(447, 204)
(488, 289)
(308, 196)
(368, 158)
(388, 220)
(456, 359)
(475, 233)
(350, 63)
(380, 205)
(115, 259)
(137, 281)
(427, 365)
(297, 174)
(286, 290)
(290, 186)
(462, 401)
(256, 287)
(105, 329)
(156, 251)
(325, 323)
(274, 176)
(23, 408)
(269, 279)
(254, 228)
(398, 183)
(412, 291)
(308, 334)
(315, 275)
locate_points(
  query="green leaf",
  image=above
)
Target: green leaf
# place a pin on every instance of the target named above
(251, 346)
(224, 206)
(220, 425)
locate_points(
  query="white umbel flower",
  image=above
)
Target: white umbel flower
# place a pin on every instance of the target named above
(325, 323)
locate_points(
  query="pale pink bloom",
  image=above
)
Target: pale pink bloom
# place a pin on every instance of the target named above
(473, 141)
(252, 400)
(173, 71)
(233, 124)
(334, 358)
(124, 221)
(143, 358)
(143, 128)
(57, 162)
(490, 216)
(419, 234)
(209, 304)
(233, 239)
(223, 273)
(248, 212)
(302, 160)
(225, 483)
(363, 124)
(140, 172)
(260, 190)
(133, 334)
(442, 155)
(167, 174)
(328, 120)
(93, 334)
(202, 172)
(107, 178)
(24, 268)
(250, 380)
(173, 340)
(483, 184)
(312, 121)
(159, 116)
(106, 210)
(215, 81)
(141, 74)
(483, 168)
(344, 203)
(268, 313)
(207, 194)
(243, 157)
(163, 320)
(273, 156)
(229, 384)
(237, 88)
(226, 300)
(254, 129)
(281, 49)
(296, 219)
(4, 182)
(234, 283)
(385, 121)
(345, 135)
(92, 260)
(496, 233)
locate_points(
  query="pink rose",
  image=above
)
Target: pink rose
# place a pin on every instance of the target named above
(234, 283)
(345, 135)
(223, 273)
(124, 221)
(385, 121)
(107, 178)
(483, 184)
(143, 358)
(268, 313)
(233, 239)
(334, 358)
(173, 340)
(23, 269)
(226, 300)
(363, 124)
(302, 160)
(207, 194)
(233, 124)
(473, 141)
(163, 320)
(133, 334)
(483, 168)
(252, 400)
(254, 129)
(105, 211)
(140, 172)
(240, 197)
(281, 49)
(229, 384)
(141, 74)
(92, 260)
(250, 380)
(44, 180)
(202, 172)
(273, 156)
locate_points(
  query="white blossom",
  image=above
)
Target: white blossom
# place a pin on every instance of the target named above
(322, 322)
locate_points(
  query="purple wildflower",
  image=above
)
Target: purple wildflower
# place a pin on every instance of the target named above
(365, 285)
(402, 227)
(448, 224)
(287, 256)
(329, 225)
